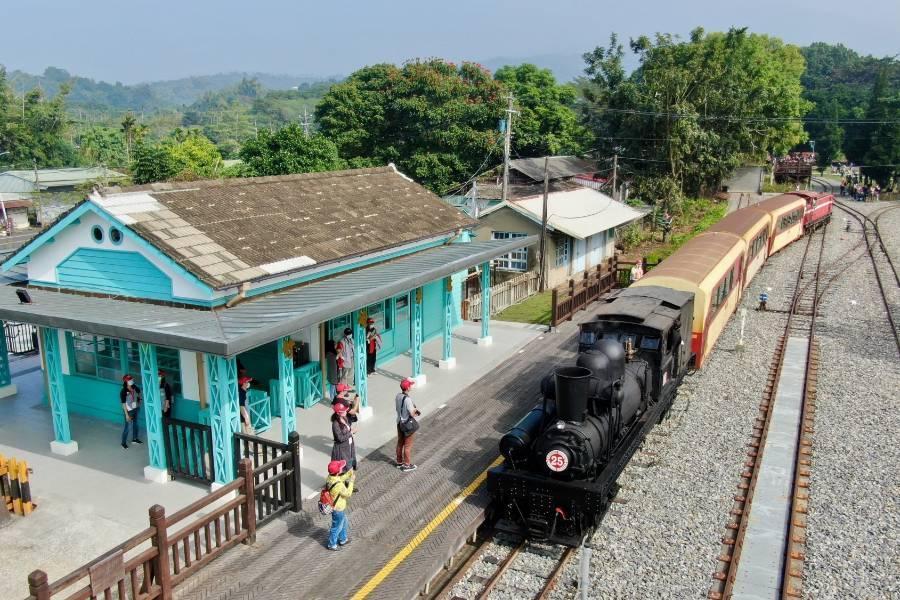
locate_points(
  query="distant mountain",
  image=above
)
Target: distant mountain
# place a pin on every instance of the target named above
(88, 93)
(565, 67)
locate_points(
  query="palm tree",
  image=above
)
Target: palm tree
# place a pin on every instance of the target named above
(129, 123)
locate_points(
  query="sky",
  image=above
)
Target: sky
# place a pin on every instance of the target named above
(146, 40)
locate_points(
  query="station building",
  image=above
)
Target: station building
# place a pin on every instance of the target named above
(206, 279)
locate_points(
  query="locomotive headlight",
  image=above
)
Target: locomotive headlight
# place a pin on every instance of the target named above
(560, 425)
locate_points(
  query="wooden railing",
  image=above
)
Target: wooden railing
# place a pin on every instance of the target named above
(189, 450)
(578, 293)
(623, 271)
(155, 561)
(503, 295)
(276, 473)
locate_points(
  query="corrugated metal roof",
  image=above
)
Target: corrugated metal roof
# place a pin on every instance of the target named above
(741, 222)
(771, 205)
(579, 213)
(254, 322)
(557, 167)
(23, 180)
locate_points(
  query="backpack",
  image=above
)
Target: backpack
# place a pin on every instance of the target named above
(326, 501)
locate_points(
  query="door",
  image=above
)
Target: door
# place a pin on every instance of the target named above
(596, 249)
(402, 330)
(578, 263)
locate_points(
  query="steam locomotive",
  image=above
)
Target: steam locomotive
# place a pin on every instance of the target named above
(563, 458)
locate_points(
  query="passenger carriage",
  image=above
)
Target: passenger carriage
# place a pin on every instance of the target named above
(710, 266)
(787, 212)
(752, 226)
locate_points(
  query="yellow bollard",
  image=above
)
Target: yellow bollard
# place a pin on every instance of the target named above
(25, 489)
(14, 486)
(4, 484)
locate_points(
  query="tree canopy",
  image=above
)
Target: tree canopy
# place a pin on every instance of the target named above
(547, 122)
(693, 110)
(185, 155)
(435, 120)
(289, 150)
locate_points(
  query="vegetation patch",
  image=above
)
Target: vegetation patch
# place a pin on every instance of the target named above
(536, 309)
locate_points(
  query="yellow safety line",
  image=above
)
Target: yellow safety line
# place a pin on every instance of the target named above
(420, 537)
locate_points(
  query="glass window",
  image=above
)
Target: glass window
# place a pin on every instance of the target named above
(376, 312)
(562, 252)
(115, 235)
(517, 260)
(97, 233)
(169, 360)
(650, 343)
(388, 314)
(85, 359)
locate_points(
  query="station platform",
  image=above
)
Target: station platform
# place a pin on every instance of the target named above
(401, 524)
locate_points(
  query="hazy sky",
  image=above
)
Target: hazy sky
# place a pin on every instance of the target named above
(140, 40)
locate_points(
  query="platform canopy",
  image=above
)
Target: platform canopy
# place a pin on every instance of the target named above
(229, 331)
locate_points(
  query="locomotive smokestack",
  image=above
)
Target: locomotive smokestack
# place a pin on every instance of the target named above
(572, 388)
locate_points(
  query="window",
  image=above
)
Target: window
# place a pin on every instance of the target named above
(720, 294)
(758, 243)
(115, 235)
(97, 233)
(110, 359)
(376, 312)
(790, 219)
(517, 260)
(388, 314)
(562, 252)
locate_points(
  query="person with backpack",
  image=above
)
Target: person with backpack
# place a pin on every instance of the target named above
(407, 425)
(333, 500)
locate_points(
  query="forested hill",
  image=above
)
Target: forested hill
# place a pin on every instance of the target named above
(175, 93)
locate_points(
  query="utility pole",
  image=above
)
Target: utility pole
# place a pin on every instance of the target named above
(615, 174)
(543, 258)
(506, 146)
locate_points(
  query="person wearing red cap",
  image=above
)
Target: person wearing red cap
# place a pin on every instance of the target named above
(406, 417)
(340, 484)
(342, 431)
(373, 345)
(165, 395)
(130, 396)
(342, 396)
(345, 357)
(243, 386)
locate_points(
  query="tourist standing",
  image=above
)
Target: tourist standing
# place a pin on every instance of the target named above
(373, 345)
(340, 485)
(407, 425)
(345, 353)
(165, 395)
(637, 271)
(243, 388)
(130, 397)
(332, 374)
(342, 431)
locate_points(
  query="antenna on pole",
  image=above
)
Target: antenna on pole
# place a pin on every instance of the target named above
(306, 121)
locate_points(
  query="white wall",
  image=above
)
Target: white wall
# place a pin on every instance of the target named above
(190, 383)
(43, 261)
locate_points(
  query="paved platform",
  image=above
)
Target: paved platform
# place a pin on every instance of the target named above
(96, 498)
(454, 445)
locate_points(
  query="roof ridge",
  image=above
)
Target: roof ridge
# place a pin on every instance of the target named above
(174, 186)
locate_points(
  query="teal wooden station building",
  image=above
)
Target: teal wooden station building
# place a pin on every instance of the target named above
(204, 279)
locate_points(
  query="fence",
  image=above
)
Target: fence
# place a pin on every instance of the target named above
(503, 295)
(188, 450)
(569, 299)
(157, 560)
(623, 271)
(21, 338)
(276, 473)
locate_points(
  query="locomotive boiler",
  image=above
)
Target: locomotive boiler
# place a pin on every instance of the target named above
(562, 459)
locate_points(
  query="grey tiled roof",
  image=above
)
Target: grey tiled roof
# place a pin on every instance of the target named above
(230, 231)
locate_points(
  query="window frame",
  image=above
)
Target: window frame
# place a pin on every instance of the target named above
(515, 260)
(124, 352)
(563, 243)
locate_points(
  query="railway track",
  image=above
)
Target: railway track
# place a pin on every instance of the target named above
(752, 533)
(501, 559)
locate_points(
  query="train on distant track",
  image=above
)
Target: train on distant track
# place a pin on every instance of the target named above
(562, 460)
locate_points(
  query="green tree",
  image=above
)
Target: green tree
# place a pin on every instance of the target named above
(693, 110)
(289, 150)
(435, 120)
(882, 155)
(103, 146)
(547, 122)
(184, 156)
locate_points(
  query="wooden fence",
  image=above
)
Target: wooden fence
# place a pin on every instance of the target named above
(157, 560)
(276, 473)
(578, 293)
(503, 295)
(189, 450)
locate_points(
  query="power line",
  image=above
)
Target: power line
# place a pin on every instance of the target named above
(734, 118)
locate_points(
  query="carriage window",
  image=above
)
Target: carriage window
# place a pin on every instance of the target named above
(650, 343)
